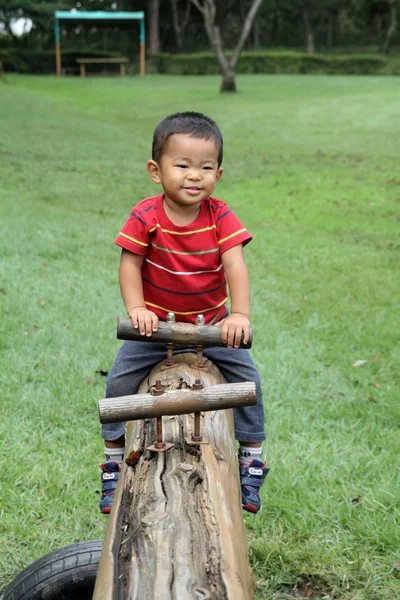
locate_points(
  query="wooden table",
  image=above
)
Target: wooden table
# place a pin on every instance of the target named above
(122, 61)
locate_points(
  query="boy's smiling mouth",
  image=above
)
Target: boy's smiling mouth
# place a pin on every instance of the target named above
(192, 189)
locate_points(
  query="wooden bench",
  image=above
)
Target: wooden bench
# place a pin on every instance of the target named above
(122, 61)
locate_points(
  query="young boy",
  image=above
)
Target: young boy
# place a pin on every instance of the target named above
(179, 250)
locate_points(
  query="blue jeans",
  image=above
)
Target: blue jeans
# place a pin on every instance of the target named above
(135, 360)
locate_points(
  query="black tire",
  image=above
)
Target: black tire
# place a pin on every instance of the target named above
(65, 574)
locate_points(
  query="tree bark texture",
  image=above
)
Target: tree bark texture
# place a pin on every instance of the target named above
(177, 402)
(187, 334)
(176, 529)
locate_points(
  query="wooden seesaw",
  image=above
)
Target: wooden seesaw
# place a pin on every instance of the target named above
(176, 529)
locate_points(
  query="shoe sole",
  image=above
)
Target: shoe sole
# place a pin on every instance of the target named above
(250, 508)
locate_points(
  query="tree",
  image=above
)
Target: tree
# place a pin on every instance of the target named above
(40, 13)
(312, 12)
(180, 24)
(309, 33)
(214, 13)
(154, 26)
(392, 26)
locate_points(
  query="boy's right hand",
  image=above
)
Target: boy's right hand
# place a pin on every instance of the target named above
(144, 320)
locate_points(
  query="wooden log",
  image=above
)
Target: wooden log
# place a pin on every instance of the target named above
(142, 58)
(58, 59)
(176, 530)
(177, 402)
(176, 333)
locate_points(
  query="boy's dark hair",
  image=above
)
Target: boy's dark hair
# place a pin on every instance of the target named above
(191, 123)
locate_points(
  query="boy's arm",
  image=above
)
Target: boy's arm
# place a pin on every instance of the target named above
(237, 276)
(130, 281)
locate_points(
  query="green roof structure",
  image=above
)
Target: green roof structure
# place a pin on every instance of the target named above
(98, 16)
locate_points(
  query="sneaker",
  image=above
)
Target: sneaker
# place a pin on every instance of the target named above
(109, 479)
(251, 479)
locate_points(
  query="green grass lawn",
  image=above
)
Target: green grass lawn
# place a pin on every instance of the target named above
(312, 168)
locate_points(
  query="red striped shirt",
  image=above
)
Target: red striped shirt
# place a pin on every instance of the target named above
(182, 270)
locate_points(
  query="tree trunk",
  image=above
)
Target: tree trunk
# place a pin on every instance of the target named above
(177, 28)
(329, 33)
(392, 26)
(342, 19)
(180, 26)
(309, 32)
(228, 83)
(154, 27)
(176, 529)
(227, 67)
(256, 35)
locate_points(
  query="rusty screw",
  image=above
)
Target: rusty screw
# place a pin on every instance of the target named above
(170, 355)
(197, 384)
(199, 356)
(196, 437)
(199, 349)
(170, 318)
(160, 442)
(158, 390)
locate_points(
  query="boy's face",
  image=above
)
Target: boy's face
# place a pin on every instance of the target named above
(188, 170)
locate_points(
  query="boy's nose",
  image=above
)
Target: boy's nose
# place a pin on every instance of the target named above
(194, 175)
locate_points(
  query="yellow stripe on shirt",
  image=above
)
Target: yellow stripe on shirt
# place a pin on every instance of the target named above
(191, 312)
(128, 237)
(228, 237)
(181, 232)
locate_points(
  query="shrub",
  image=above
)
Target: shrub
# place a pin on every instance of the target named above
(44, 61)
(11, 60)
(205, 63)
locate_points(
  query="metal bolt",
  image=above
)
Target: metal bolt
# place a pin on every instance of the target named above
(197, 384)
(160, 442)
(170, 318)
(199, 357)
(196, 437)
(170, 355)
(158, 390)
(200, 320)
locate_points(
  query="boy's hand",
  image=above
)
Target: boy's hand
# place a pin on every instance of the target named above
(144, 320)
(232, 328)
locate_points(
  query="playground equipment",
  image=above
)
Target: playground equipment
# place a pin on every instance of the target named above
(98, 17)
(176, 529)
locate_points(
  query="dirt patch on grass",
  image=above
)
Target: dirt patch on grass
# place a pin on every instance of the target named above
(310, 588)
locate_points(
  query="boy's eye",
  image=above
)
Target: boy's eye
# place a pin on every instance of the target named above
(208, 168)
(182, 166)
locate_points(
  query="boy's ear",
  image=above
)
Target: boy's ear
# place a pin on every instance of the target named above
(154, 171)
(219, 173)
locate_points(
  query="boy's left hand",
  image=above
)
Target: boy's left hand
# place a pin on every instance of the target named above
(232, 328)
